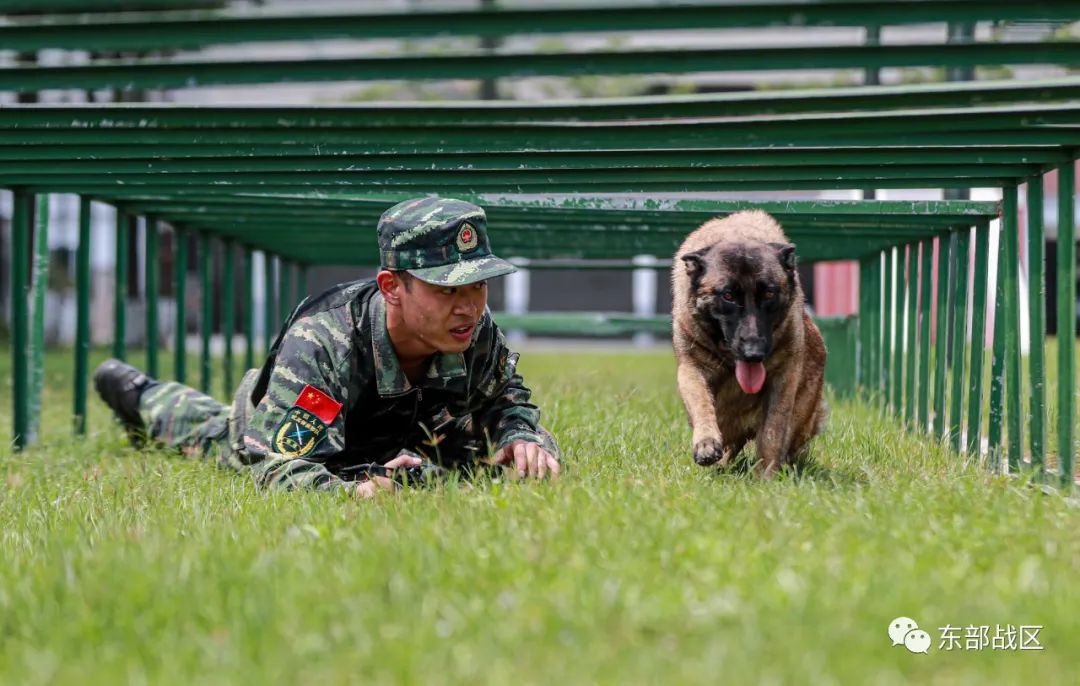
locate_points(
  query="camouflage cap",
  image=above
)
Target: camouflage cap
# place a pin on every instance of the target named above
(439, 240)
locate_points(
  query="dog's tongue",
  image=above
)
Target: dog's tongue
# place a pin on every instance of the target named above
(750, 375)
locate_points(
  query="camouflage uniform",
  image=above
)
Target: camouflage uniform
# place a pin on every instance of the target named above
(332, 393)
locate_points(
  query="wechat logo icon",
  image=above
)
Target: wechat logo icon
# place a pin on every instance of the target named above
(906, 632)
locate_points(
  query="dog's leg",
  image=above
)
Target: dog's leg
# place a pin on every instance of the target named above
(701, 406)
(774, 439)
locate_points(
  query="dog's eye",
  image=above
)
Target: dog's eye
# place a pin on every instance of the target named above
(769, 295)
(727, 296)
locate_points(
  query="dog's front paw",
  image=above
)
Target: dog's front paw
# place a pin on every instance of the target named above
(708, 451)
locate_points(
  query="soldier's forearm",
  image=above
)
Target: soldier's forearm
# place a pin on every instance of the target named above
(510, 411)
(295, 474)
(517, 432)
(508, 421)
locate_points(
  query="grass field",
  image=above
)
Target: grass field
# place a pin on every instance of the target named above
(637, 568)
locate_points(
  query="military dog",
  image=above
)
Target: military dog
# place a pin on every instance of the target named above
(751, 362)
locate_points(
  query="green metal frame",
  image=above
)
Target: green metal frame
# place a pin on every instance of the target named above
(250, 176)
(228, 313)
(980, 287)
(21, 228)
(120, 282)
(82, 316)
(1066, 316)
(152, 288)
(180, 247)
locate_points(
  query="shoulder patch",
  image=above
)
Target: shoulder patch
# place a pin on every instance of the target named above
(304, 424)
(298, 433)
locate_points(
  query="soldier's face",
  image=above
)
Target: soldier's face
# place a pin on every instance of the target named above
(443, 318)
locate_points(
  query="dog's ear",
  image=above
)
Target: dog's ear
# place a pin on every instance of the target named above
(695, 264)
(785, 252)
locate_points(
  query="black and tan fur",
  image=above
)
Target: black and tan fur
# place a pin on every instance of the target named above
(737, 296)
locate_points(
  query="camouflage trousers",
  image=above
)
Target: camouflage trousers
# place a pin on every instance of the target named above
(178, 416)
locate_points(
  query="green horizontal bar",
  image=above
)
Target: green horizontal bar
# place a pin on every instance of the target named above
(507, 163)
(186, 30)
(600, 208)
(854, 131)
(809, 255)
(253, 223)
(151, 119)
(317, 242)
(372, 115)
(57, 185)
(359, 232)
(159, 159)
(659, 206)
(362, 211)
(72, 172)
(147, 74)
(339, 225)
(541, 234)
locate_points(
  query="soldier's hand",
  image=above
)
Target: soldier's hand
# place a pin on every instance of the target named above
(529, 459)
(368, 488)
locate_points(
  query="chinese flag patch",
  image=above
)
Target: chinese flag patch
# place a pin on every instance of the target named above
(318, 403)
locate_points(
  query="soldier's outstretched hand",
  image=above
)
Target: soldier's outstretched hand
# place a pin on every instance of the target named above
(369, 487)
(529, 459)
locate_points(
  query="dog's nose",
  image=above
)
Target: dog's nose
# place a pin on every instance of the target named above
(754, 351)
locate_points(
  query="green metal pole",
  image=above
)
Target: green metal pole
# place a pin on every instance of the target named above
(206, 315)
(945, 288)
(249, 310)
(228, 312)
(1066, 319)
(20, 321)
(959, 328)
(120, 291)
(887, 336)
(924, 334)
(978, 336)
(82, 315)
(269, 310)
(39, 287)
(180, 291)
(997, 367)
(864, 325)
(876, 309)
(1037, 321)
(1013, 385)
(898, 333)
(911, 291)
(153, 249)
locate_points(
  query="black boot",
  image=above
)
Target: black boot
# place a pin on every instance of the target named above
(120, 385)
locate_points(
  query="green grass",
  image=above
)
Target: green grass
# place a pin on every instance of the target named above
(638, 568)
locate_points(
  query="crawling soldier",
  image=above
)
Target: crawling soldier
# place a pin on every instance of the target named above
(369, 379)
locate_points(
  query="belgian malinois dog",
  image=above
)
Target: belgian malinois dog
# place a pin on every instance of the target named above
(751, 362)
